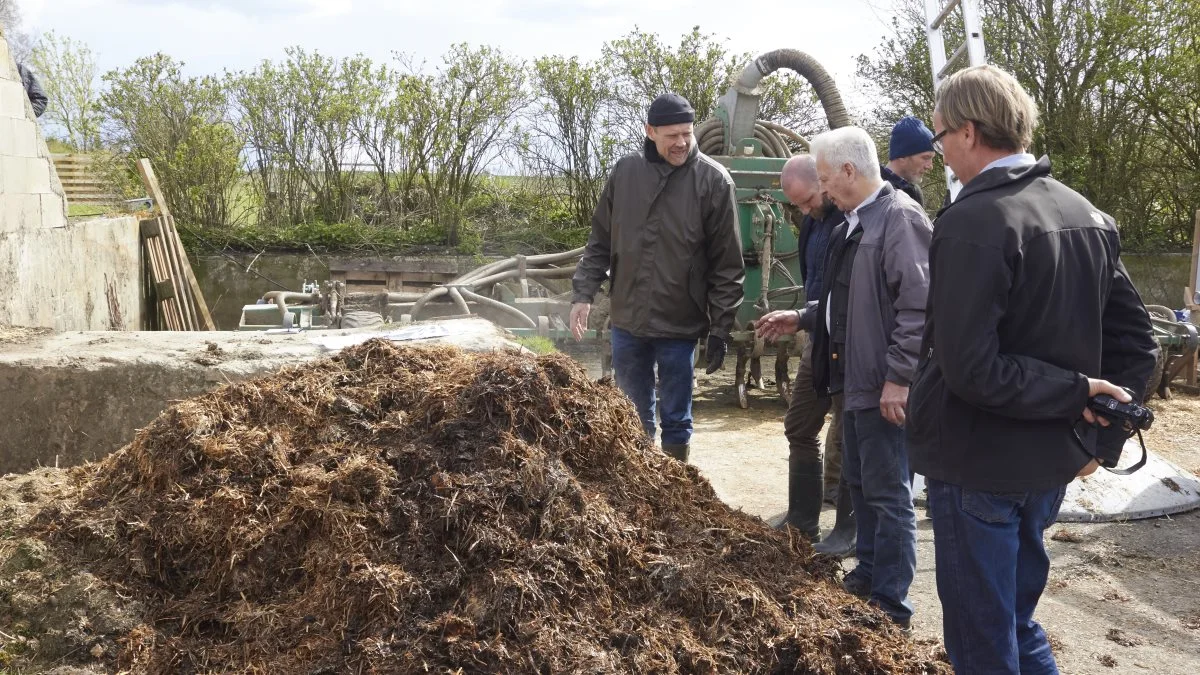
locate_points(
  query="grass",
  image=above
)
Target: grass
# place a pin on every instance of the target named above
(88, 210)
(537, 344)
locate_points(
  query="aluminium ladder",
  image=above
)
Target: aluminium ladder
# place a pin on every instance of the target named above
(972, 46)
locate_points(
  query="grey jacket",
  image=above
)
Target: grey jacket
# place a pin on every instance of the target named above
(667, 237)
(888, 290)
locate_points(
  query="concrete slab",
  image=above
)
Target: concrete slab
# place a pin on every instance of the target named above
(1158, 489)
(74, 397)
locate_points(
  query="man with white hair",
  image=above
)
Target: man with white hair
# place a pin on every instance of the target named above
(869, 323)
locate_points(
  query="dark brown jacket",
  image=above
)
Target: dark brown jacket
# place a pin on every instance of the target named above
(667, 238)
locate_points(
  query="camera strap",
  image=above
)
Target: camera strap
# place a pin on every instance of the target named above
(1091, 438)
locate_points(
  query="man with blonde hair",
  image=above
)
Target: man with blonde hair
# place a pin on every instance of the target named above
(866, 329)
(1031, 313)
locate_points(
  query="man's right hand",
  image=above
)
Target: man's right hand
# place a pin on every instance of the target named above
(776, 324)
(579, 319)
(1097, 387)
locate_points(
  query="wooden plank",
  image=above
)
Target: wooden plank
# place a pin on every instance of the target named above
(191, 315)
(151, 183)
(160, 281)
(186, 307)
(203, 317)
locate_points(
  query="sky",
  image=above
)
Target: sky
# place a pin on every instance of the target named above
(211, 36)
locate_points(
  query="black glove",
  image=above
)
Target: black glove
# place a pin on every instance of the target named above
(716, 353)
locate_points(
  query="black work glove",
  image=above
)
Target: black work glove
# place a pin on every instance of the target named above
(716, 349)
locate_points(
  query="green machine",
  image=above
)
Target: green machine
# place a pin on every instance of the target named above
(754, 151)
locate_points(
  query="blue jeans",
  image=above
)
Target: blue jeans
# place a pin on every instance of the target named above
(991, 571)
(633, 361)
(875, 466)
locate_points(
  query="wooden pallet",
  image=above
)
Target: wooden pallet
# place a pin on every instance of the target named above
(178, 302)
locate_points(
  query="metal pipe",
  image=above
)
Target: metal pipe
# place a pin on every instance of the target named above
(496, 304)
(281, 298)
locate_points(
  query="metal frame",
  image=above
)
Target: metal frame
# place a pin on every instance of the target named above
(972, 45)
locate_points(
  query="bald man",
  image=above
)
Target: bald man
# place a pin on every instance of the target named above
(808, 476)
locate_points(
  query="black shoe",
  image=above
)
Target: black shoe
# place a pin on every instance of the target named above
(857, 586)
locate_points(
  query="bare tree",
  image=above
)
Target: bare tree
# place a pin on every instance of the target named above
(20, 43)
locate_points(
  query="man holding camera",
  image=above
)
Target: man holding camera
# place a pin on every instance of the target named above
(1031, 313)
(665, 233)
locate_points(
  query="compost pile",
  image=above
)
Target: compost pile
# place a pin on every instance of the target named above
(400, 510)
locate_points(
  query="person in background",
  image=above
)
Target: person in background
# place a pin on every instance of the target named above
(33, 89)
(910, 156)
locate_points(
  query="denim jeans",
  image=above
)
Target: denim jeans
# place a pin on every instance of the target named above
(991, 571)
(875, 466)
(633, 361)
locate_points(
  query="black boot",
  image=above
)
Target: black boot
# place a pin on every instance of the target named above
(804, 499)
(840, 542)
(677, 450)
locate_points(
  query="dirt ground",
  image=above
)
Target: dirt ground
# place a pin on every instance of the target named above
(1122, 597)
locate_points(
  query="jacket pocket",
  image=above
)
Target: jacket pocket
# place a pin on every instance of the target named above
(992, 507)
(926, 404)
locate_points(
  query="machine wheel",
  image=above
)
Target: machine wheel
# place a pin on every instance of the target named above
(739, 379)
(1156, 383)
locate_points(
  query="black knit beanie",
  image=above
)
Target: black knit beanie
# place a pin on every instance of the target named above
(670, 109)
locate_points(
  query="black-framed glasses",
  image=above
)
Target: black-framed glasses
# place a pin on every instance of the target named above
(936, 142)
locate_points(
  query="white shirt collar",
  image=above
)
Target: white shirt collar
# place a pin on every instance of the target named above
(1015, 159)
(852, 215)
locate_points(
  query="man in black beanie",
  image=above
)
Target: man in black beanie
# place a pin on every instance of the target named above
(665, 234)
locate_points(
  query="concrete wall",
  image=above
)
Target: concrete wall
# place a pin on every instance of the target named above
(55, 273)
(73, 397)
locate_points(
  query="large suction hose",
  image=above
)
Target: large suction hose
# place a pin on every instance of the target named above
(805, 66)
(710, 134)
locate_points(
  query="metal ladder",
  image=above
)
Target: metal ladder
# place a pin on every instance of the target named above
(935, 16)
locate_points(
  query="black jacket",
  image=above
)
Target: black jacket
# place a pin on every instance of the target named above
(33, 89)
(910, 189)
(804, 238)
(1028, 299)
(667, 237)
